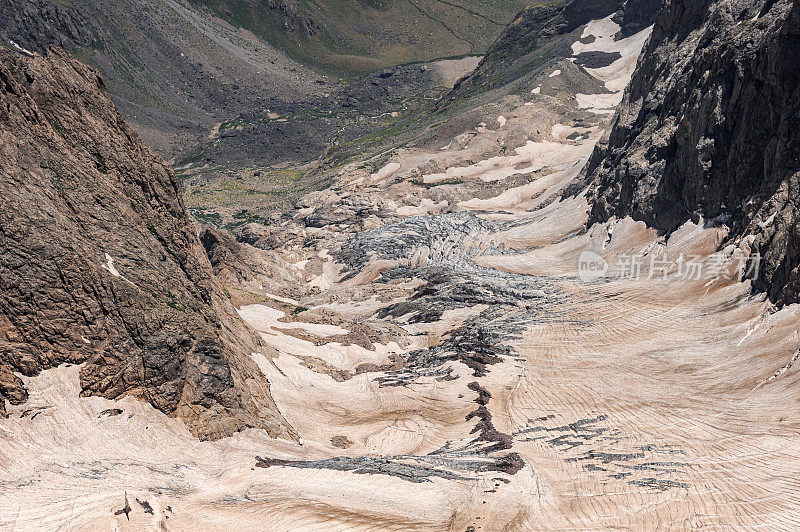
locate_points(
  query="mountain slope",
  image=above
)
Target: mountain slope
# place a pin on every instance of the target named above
(357, 36)
(531, 37)
(708, 129)
(177, 68)
(100, 265)
(173, 71)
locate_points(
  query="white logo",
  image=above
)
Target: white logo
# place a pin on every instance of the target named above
(591, 267)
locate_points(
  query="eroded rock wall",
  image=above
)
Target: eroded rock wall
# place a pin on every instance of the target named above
(709, 128)
(100, 264)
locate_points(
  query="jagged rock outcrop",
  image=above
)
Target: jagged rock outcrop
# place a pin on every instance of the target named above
(100, 264)
(709, 128)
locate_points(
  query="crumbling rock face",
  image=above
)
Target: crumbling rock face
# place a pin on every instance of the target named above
(100, 265)
(709, 128)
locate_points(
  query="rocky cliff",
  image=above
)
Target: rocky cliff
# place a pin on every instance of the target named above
(709, 128)
(100, 265)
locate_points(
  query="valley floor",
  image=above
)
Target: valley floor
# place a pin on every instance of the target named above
(450, 363)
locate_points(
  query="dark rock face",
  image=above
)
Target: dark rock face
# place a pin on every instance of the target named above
(537, 22)
(99, 263)
(709, 127)
(636, 15)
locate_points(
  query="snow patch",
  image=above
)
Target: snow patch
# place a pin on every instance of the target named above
(384, 173)
(599, 101)
(20, 49)
(617, 75)
(110, 266)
